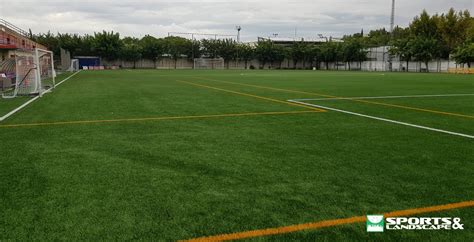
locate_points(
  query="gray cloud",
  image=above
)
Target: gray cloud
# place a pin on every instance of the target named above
(262, 18)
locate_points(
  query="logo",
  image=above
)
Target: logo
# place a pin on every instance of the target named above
(375, 223)
(424, 223)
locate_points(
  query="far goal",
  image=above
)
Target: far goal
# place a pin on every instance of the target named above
(208, 63)
(35, 73)
(74, 65)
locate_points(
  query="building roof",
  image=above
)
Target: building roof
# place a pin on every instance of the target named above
(292, 40)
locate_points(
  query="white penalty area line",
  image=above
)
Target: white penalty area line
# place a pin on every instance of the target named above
(33, 99)
(384, 119)
(387, 97)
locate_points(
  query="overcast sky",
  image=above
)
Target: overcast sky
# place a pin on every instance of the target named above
(257, 18)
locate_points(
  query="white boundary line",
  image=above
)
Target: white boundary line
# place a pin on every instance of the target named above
(384, 119)
(32, 100)
(386, 97)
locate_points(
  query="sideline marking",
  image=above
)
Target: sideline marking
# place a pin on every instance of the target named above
(153, 119)
(384, 119)
(385, 97)
(328, 223)
(33, 99)
(254, 96)
(355, 100)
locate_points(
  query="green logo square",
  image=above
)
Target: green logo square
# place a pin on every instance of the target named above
(375, 223)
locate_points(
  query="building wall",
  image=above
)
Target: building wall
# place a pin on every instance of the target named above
(378, 60)
(13, 39)
(372, 65)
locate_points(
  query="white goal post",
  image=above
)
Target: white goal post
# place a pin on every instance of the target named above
(208, 63)
(74, 65)
(35, 73)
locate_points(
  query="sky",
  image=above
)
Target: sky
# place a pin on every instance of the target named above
(301, 18)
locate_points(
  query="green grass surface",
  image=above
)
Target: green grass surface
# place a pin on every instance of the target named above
(8, 104)
(180, 179)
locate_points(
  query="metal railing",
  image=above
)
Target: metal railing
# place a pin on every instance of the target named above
(13, 27)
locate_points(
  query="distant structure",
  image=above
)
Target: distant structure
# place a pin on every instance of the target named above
(13, 38)
(290, 41)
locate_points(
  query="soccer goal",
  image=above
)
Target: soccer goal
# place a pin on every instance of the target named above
(34, 73)
(208, 63)
(74, 65)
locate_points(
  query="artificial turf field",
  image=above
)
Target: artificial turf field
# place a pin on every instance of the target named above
(172, 155)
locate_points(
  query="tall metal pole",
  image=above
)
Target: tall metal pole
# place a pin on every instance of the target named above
(392, 25)
(238, 33)
(192, 49)
(392, 17)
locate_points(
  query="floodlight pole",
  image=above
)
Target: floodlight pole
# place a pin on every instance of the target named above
(238, 28)
(192, 49)
(392, 24)
(392, 17)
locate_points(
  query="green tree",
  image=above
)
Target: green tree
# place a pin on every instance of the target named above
(402, 48)
(453, 29)
(245, 52)
(210, 47)
(465, 54)
(353, 51)
(328, 53)
(152, 48)
(278, 55)
(131, 50)
(425, 49)
(86, 45)
(315, 55)
(298, 52)
(107, 45)
(49, 40)
(69, 42)
(227, 49)
(264, 52)
(339, 51)
(425, 26)
(194, 49)
(378, 37)
(177, 47)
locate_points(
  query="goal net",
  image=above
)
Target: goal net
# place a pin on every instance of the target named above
(35, 73)
(208, 63)
(74, 65)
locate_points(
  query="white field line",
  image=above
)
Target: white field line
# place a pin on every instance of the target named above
(384, 119)
(387, 97)
(32, 100)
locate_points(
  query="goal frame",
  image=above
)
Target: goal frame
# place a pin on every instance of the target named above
(42, 66)
(38, 70)
(74, 65)
(208, 63)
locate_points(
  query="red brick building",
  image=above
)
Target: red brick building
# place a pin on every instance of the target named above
(13, 38)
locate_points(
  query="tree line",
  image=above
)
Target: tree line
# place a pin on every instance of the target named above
(427, 38)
